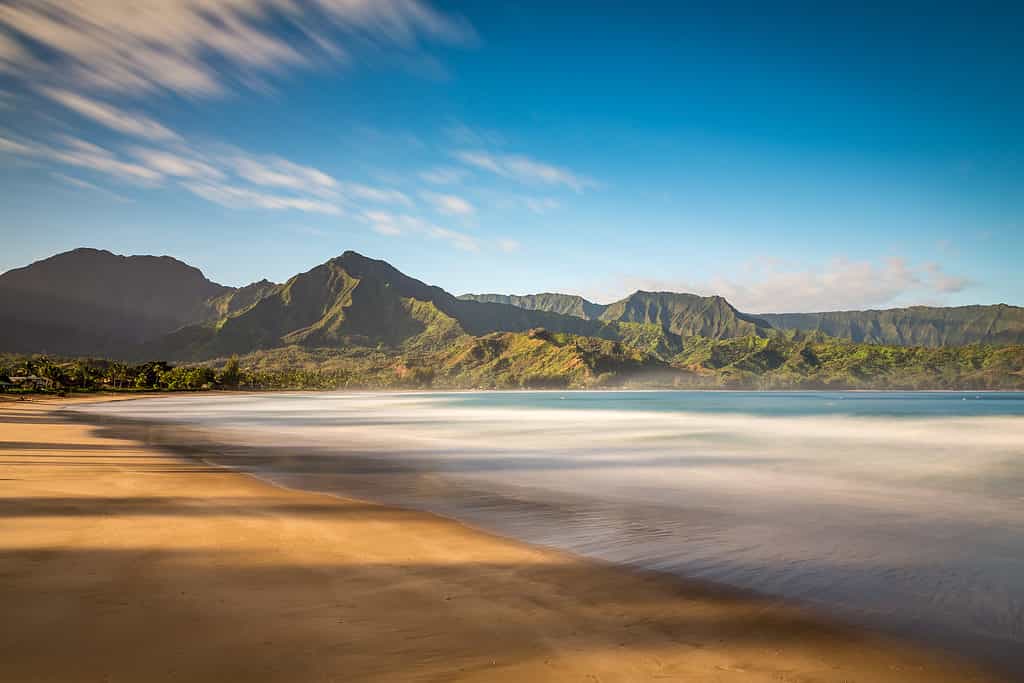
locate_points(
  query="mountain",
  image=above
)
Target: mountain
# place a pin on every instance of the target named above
(89, 301)
(564, 304)
(237, 299)
(913, 326)
(686, 315)
(354, 300)
(678, 315)
(93, 302)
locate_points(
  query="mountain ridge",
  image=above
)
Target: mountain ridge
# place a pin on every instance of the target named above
(933, 326)
(93, 302)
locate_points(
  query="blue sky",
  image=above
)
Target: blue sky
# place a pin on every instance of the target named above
(788, 157)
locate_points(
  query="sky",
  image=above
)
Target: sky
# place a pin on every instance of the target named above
(788, 156)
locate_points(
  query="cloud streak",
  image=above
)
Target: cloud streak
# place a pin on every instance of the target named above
(111, 117)
(449, 204)
(244, 198)
(390, 224)
(524, 169)
(76, 152)
(278, 172)
(202, 49)
(82, 184)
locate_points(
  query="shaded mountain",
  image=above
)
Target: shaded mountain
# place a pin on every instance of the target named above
(355, 300)
(564, 304)
(914, 326)
(89, 301)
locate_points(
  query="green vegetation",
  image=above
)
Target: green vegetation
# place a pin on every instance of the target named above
(914, 326)
(686, 315)
(543, 359)
(800, 361)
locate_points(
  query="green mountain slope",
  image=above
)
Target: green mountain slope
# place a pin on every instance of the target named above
(236, 300)
(685, 315)
(814, 361)
(355, 300)
(678, 315)
(564, 304)
(914, 326)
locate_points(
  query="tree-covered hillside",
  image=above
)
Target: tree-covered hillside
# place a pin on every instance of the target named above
(914, 326)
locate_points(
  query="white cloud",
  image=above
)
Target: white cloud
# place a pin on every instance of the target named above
(459, 240)
(19, 148)
(233, 179)
(381, 195)
(76, 152)
(12, 55)
(508, 246)
(771, 286)
(524, 169)
(200, 48)
(277, 172)
(389, 229)
(175, 165)
(537, 205)
(443, 175)
(245, 198)
(449, 204)
(390, 224)
(111, 117)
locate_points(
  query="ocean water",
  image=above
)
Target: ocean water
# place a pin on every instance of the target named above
(903, 511)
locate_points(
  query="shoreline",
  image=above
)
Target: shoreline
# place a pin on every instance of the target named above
(285, 584)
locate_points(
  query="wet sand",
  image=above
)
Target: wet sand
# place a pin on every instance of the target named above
(121, 563)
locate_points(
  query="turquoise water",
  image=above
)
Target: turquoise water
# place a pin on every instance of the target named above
(874, 403)
(901, 510)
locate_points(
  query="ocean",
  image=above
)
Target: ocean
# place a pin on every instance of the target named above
(902, 511)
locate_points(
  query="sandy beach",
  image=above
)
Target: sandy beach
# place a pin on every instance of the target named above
(120, 563)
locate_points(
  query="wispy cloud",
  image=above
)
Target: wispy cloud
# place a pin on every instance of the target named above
(380, 195)
(443, 175)
(78, 182)
(524, 169)
(771, 286)
(76, 152)
(203, 48)
(245, 198)
(448, 204)
(278, 172)
(111, 117)
(457, 239)
(175, 165)
(390, 224)
(537, 205)
(232, 178)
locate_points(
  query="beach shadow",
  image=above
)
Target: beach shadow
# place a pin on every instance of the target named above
(143, 612)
